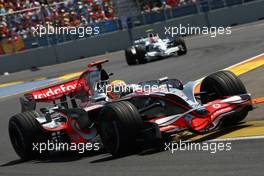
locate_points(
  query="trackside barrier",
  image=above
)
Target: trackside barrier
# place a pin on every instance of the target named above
(114, 41)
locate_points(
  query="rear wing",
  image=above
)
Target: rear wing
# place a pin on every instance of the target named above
(50, 94)
(53, 92)
(63, 90)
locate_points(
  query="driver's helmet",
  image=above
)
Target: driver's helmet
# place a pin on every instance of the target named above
(153, 38)
(117, 89)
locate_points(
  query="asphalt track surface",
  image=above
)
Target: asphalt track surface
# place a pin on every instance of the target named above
(206, 55)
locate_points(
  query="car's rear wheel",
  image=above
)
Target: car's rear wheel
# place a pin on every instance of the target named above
(25, 132)
(219, 85)
(119, 125)
(130, 57)
(183, 48)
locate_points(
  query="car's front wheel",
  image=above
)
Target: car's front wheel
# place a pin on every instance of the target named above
(181, 43)
(141, 54)
(131, 58)
(219, 85)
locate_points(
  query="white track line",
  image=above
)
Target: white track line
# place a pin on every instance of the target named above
(237, 139)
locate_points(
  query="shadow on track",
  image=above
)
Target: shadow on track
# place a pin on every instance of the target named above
(142, 152)
(161, 148)
(12, 163)
(60, 157)
(71, 156)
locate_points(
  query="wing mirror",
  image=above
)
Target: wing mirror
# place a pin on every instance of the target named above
(162, 80)
(44, 110)
(27, 105)
(180, 85)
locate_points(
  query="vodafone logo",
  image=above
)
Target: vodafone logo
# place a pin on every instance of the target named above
(55, 90)
(216, 106)
(221, 111)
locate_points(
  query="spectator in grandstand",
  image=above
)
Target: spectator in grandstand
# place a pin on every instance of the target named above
(149, 6)
(4, 31)
(2, 7)
(172, 3)
(59, 13)
(157, 5)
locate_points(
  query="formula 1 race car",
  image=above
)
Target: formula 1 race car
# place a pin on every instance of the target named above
(153, 48)
(82, 112)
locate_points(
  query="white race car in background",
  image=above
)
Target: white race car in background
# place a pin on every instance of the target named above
(152, 48)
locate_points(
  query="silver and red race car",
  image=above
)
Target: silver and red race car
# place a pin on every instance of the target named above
(83, 113)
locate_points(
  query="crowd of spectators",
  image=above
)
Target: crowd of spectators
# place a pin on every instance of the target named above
(157, 5)
(24, 15)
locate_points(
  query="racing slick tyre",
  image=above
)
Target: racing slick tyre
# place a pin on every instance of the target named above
(130, 57)
(24, 132)
(119, 125)
(183, 48)
(220, 84)
(141, 54)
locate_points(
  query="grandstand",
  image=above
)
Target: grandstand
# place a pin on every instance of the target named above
(19, 18)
